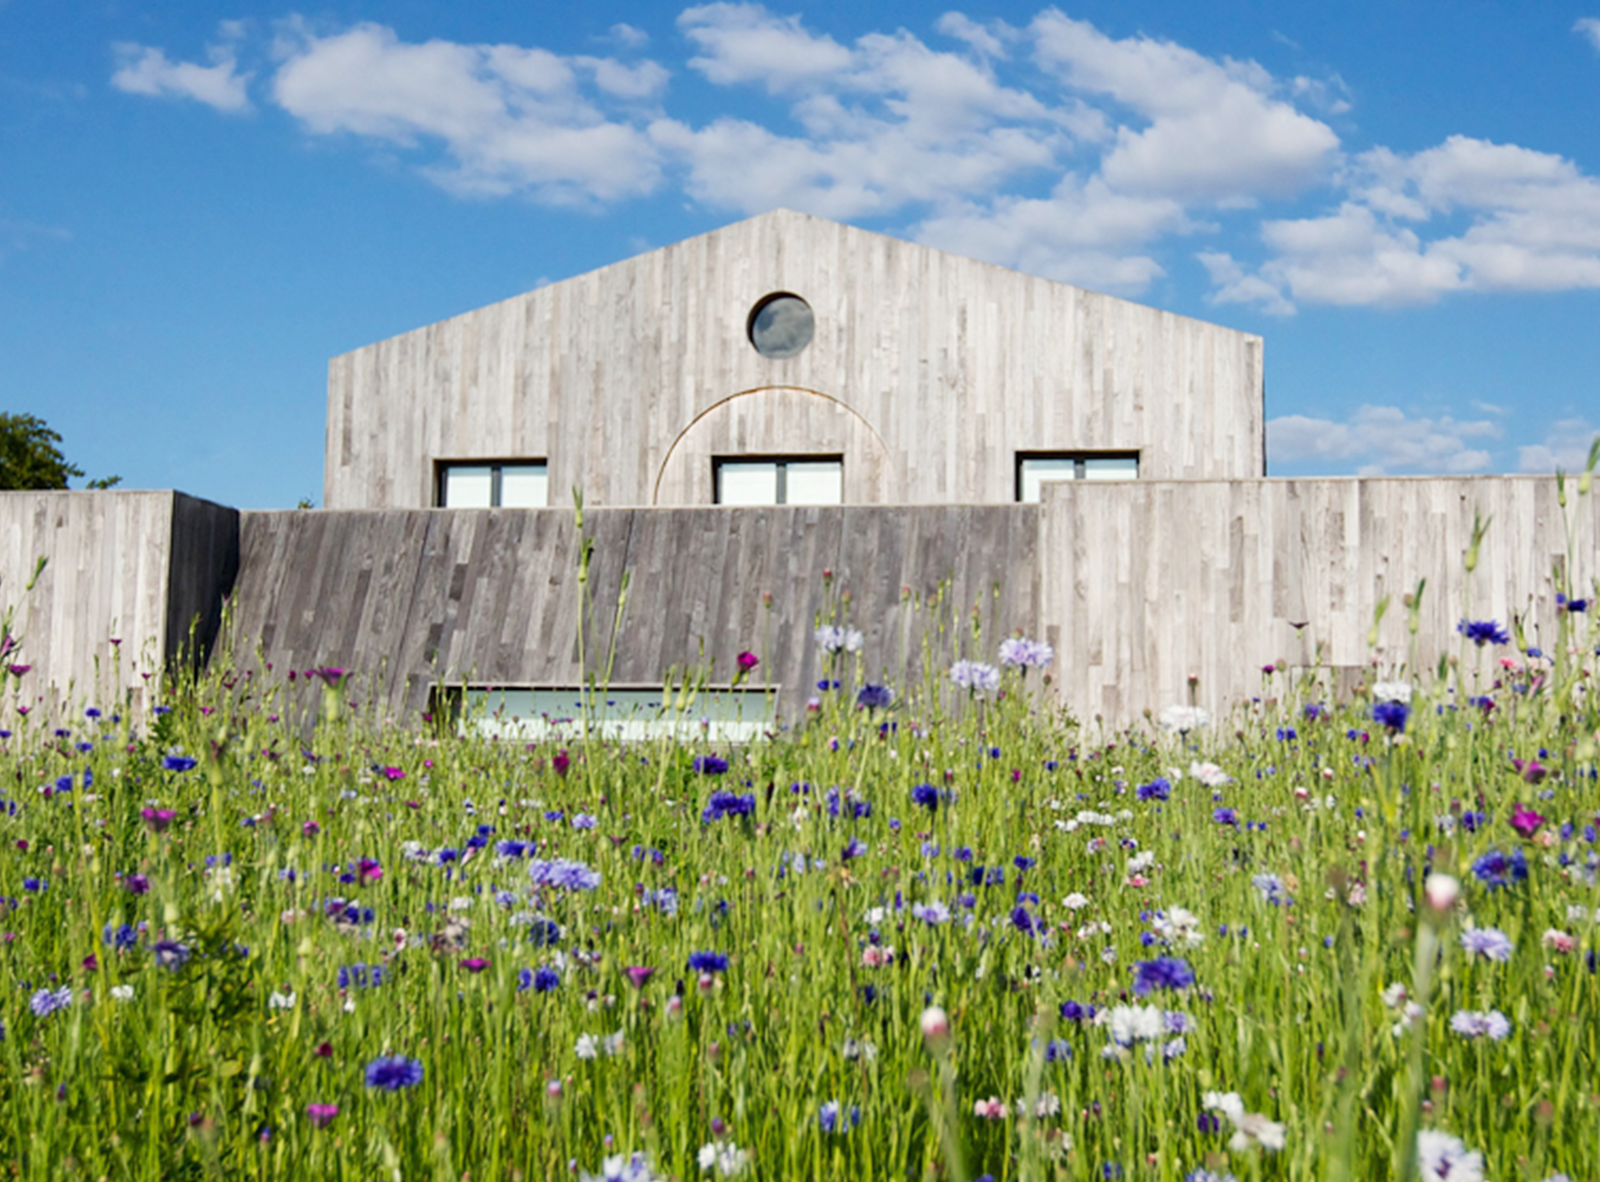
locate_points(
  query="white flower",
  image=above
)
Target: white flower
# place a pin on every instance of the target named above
(1131, 1024)
(1392, 691)
(1075, 901)
(1048, 1104)
(1180, 926)
(1230, 1104)
(1183, 719)
(1441, 891)
(1254, 1129)
(1209, 774)
(281, 1001)
(588, 1047)
(1394, 995)
(832, 638)
(1141, 862)
(122, 992)
(1443, 1158)
(975, 675)
(727, 1160)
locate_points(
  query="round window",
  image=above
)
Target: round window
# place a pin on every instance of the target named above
(781, 325)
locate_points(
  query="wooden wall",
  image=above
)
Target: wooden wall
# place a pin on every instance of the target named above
(413, 598)
(134, 566)
(1146, 585)
(946, 366)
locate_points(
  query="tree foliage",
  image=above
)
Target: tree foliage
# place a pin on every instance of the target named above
(30, 456)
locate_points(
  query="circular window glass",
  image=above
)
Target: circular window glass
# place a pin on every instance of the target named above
(781, 326)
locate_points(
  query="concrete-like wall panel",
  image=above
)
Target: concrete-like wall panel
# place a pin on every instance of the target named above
(956, 365)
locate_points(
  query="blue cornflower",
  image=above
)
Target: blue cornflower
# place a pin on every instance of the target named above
(927, 796)
(1073, 1011)
(829, 1117)
(1571, 605)
(170, 954)
(178, 763)
(932, 914)
(1225, 816)
(728, 804)
(1023, 920)
(360, 976)
(45, 1002)
(1489, 943)
(565, 874)
(1482, 632)
(875, 697)
(708, 962)
(711, 765)
(1391, 715)
(854, 849)
(1164, 972)
(1271, 888)
(1156, 789)
(393, 1072)
(120, 938)
(34, 885)
(1497, 869)
(1057, 1051)
(542, 980)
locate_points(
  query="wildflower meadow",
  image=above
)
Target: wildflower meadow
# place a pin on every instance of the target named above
(926, 930)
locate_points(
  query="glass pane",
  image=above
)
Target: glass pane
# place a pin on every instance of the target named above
(747, 484)
(465, 487)
(524, 486)
(814, 483)
(1111, 468)
(782, 326)
(718, 715)
(1036, 472)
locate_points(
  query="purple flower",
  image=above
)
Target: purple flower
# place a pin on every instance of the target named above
(1020, 652)
(393, 1072)
(1489, 943)
(1225, 816)
(360, 976)
(136, 884)
(321, 1115)
(1164, 972)
(927, 796)
(178, 763)
(542, 980)
(932, 914)
(854, 849)
(830, 1114)
(975, 675)
(1480, 1023)
(875, 697)
(1563, 604)
(170, 954)
(1482, 632)
(711, 765)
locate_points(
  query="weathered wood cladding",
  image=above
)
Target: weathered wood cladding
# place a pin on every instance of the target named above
(410, 599)
(927, 370)
(134, 567)
(1145, 585)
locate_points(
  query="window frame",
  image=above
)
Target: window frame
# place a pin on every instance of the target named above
(781, 462)
(1080, 460)
(441, 469)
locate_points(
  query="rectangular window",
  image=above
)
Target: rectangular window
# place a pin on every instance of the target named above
(493, 484)
(1035, 469)
(797, 480)
(718, 714)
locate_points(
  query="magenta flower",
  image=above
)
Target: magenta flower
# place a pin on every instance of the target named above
(748, 661)
(394, 773)
(475, 964)
(638, 974)
(1525, 821)
(368, 870)
(329, 675)
(1532, 771)
(321, 1115)
(157, 820)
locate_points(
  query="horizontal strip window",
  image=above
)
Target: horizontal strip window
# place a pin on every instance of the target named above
(717, 714)
(493, 484)
(778, 480)
(1036, 469)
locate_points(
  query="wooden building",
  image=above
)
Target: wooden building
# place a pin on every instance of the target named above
(785, 421)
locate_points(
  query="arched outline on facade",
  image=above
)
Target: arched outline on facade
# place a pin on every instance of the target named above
(661, 472)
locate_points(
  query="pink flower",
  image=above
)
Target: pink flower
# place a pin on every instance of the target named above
(1532, 771)
(1559, 940)
(475, 964)
(638, 974)
(321, 1115)
(561, 761)
(1525, 821)
(157, 820)
(991, 1109)
(368, 870)
(394, 773)
(748, 661)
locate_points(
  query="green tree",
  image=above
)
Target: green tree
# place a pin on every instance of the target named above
(30, 456)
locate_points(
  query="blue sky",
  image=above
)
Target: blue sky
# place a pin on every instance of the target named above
(199, 205)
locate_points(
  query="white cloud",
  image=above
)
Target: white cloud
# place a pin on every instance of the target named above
(1590, 28)
(628, 36)
(511, 118)
(988, 40)
(1533, 224)
(145, 70)
(1566, 446)
(745, 43)
(1082, 233)
(1214, 131)
(1381, 440)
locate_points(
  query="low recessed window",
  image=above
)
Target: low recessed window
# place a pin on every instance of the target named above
(1036, 469)
(781, 325)
(711, 713)
(494, 484)
(808, 480)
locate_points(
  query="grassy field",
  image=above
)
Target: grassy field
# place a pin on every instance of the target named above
(942, 935)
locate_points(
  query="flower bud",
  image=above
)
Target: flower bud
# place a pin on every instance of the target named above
(935, 1026)
(1441, 891)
